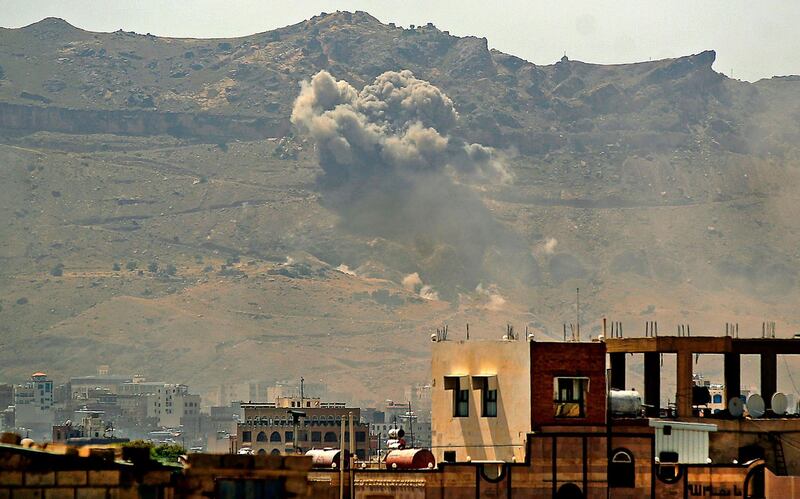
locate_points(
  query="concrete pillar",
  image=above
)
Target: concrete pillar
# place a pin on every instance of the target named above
(617, 370)
(652, 383)
(733, 376)
(769, 377)
(683, 401)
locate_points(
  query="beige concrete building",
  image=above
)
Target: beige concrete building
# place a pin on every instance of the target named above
(268, 427)
(481, 400)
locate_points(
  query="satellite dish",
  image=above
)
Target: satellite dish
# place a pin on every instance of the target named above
(736, 407)
(779, 403)
(755, 405)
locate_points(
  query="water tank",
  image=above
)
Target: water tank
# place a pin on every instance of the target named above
(328, 458)
(410, 459)
(625, 402)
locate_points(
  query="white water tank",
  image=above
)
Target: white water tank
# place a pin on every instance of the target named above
(625, 402)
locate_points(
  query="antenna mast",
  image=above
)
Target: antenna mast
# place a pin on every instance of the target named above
(578, 311)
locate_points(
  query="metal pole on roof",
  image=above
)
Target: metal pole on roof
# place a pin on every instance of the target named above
(352, 454)
(341, 462)
(578, 311)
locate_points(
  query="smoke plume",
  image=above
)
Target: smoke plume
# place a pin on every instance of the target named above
(392, 168)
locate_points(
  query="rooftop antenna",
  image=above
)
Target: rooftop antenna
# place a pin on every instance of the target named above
(578, 311)
(302, 393)
(467, 330)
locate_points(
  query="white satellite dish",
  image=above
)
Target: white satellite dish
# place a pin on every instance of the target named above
(755, 405)
(736, 407)
(779, 403)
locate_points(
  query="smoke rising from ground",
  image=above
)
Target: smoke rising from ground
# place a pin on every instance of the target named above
(397, 126)
(413, 283)
(494, 300)
(392, 168)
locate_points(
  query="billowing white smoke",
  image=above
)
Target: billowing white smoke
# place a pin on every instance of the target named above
(494, 300)
(397, 125)
(393, 168)
(414, 284)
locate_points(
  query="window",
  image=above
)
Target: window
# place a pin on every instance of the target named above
(621, 470)
(489, 405)
(461, 403)
(316, 436)
(289, 436)
(569, 397)
(460, 387)
(330, 436)
(247, 436)
(275, 437)
(717, 398)
(361, 436)
(261, 437)
(449, 456)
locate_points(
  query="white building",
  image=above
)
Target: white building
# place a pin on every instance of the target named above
(33, 404)
(169, 403)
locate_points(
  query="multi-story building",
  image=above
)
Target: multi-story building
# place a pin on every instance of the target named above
(268, 427)
(81, 385)
(6, 396)
(481, 400)
(33, 404)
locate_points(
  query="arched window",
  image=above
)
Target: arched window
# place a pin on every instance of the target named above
(621, 469)
(261, 452)
(275, 437)
(330, 436)
(275, 452)
(261, 437)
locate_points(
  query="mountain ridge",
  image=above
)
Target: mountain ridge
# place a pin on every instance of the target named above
(663, 189)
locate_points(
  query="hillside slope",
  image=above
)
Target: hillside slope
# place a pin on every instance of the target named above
(664, 190)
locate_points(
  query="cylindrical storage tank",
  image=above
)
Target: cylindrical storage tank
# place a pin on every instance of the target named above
(625, 402)
(410, 459)
(328, 458)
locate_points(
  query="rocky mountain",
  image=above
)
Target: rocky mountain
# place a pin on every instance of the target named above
(163, 214)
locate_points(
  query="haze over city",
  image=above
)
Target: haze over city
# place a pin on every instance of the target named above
(384, 249)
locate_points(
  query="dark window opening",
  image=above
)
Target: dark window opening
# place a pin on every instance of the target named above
(569, 397)
(449, 456)
(361, 436)
(289, 436)
(621, 470)
(275, 437)
(569, 491)
(261, 437)
(316, 436)
(489, 401)
(247, 436)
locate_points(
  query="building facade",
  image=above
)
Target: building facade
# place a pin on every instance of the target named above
(481, 400)
(33, 404)
(269, 427)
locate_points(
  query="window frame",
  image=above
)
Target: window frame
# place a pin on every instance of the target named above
(579, 398)
(489, 399)
(460, 402)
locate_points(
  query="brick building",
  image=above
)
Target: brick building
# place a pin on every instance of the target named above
(568, 384)
(268, 427)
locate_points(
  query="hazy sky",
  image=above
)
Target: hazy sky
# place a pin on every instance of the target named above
(753, 39)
